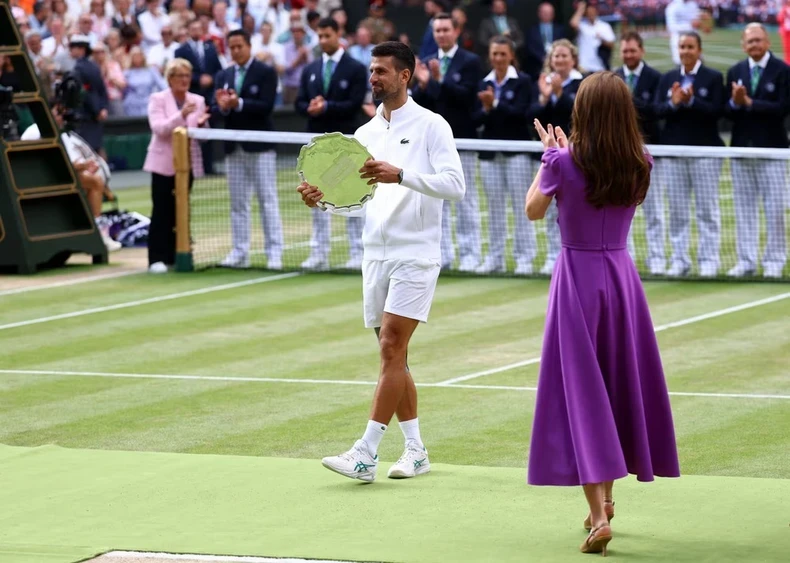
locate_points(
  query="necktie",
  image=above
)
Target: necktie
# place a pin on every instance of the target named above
(199, 52)
(756, 73)
(632, 82)
(328, 68)
(445, 65)
(240, 72)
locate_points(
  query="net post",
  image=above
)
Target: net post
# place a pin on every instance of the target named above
(181, 163)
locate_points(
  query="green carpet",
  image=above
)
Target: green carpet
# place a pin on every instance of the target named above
(61, 505)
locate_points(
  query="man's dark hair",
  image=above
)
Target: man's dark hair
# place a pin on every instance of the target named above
(328, 22)
(446, 16)
(633, 36)
(241, 33)
(312, 15)
(401, 54)
(695, 35)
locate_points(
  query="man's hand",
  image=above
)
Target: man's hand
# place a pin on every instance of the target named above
(102, 115)
(422, 74)
(222, 99)
(233, 99)
(310, 194)
(206, 81)
(317, 106)
(379, 172)
(435, 69)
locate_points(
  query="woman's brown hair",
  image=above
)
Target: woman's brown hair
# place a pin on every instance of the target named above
(606, 143)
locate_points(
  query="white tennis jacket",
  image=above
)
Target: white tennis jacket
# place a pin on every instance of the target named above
(405, 220)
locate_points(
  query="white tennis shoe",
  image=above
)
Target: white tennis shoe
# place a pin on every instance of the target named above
(413, 462)
(356, 463)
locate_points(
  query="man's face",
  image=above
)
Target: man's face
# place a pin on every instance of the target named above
(329, 40)
(631, 53)
(239, 49)
(85, 24)
(755, 43)
(34, 44)
(385, 80)
(195, 31)
(546, 13)
(498, 7)
(444, 34)
(167, 35)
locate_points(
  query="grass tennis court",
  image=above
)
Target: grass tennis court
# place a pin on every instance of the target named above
(188, 413)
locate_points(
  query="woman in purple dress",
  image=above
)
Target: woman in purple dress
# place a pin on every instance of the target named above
(602, 408)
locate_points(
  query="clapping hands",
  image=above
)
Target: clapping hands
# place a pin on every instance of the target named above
(551, 138)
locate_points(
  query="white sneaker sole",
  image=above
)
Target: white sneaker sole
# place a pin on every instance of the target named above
(395, 473)
(367, 476)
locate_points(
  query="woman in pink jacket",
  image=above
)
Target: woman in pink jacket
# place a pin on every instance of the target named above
(168, 110)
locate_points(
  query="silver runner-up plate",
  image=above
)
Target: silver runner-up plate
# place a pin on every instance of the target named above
(331, 162)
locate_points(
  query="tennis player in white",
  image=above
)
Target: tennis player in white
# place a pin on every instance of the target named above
(402, 254)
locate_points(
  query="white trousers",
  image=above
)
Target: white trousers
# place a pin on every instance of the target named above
(248, 172)
(653, 209)
(754, 181)
(700, 176)
(502, 177)
(467, 228)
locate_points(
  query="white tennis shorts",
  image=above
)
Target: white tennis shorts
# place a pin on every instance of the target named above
(400, 287)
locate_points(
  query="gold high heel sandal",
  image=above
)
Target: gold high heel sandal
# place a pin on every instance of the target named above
(608, 507)
(597, 541)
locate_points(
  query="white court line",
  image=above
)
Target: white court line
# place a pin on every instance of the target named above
(76, 281)
(216, 558)
(661, 328)
(346, 382)
(150, 300)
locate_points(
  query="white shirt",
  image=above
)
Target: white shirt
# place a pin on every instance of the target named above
(637, 71)
(589, 42)
(335, 58)
(277, 50)
(151, 27)
(159, 55)
(405, 220)
(680, 15)
(762, 63)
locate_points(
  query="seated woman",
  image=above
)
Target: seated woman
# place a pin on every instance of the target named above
(168, 110)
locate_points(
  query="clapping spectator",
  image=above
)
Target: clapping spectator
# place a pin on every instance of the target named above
(141, 82)
(298, 54)
(164, 52)
(381, 29)
(180, 15)
(114, 79)
(38, 19)
(151, 23)
(123, 15)
(102, 23)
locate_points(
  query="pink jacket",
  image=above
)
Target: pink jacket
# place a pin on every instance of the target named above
(163, 118)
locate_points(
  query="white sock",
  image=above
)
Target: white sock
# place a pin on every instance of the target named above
(411, 430)
(373, 435)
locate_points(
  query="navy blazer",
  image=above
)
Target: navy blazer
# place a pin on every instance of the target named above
(644, 96)
(559, 114)
(508, 120)
(211, 65)
(762, 125)
(94, 100)
(697, 124)
(347, 90)
(533, 53)
(455, 97)
(258, 92)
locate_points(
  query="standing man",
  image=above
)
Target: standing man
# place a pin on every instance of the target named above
(682, 16)
(245, 98)
(205, 66)
(759, 103)
(402, 256)
(643, 82)
(447, 84)
(538, 40)
(331, 92)
(595, 37)
(95, 101)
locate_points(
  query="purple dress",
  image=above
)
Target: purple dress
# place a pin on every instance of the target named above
(602, 408)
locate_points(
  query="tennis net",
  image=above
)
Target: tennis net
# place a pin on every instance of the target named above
(711, 212)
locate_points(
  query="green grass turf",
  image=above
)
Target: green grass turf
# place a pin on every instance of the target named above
(309, 327)
(96, 501)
